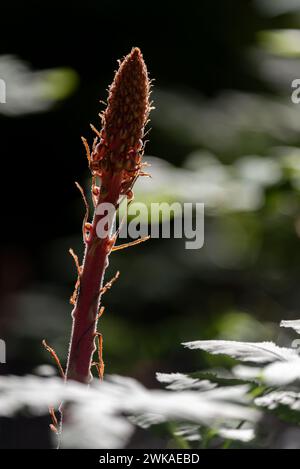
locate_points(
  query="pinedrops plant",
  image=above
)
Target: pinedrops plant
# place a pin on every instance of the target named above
(115, 161)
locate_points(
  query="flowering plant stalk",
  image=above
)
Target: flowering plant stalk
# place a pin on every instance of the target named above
(115, 160)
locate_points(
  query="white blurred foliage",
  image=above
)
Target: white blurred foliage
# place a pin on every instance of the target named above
(104, 415)
(204, 179)
(241, 434)
(99, 413)
(279, 373)
(45, 370)
(248, 373)
(221, 187)
(255, 352)
(292, 324)
(188, 432)
(29, 91)
(282, 369)
(278, 71)
(191, 433)
(221, 124)
(276, 367)
(283, 366)
(180, 381)
(275, 398)
(263, 170)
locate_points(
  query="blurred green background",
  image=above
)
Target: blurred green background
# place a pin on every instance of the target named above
(224, 132)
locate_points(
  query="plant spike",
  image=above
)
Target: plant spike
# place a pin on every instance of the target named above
(115, 159)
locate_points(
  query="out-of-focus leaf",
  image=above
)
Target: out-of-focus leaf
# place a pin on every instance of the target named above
(292, 324)
(180, 381)
(282, 373)
(107, 406)
(285, 404)
(28, 91)
(239, 434)
(281, 42)
(260, 352)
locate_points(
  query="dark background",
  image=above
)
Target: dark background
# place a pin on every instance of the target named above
(195, 51)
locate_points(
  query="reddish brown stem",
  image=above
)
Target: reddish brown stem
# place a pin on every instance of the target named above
(85, 312)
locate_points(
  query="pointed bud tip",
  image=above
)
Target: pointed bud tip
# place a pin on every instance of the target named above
(136, 53)
(134, 58)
